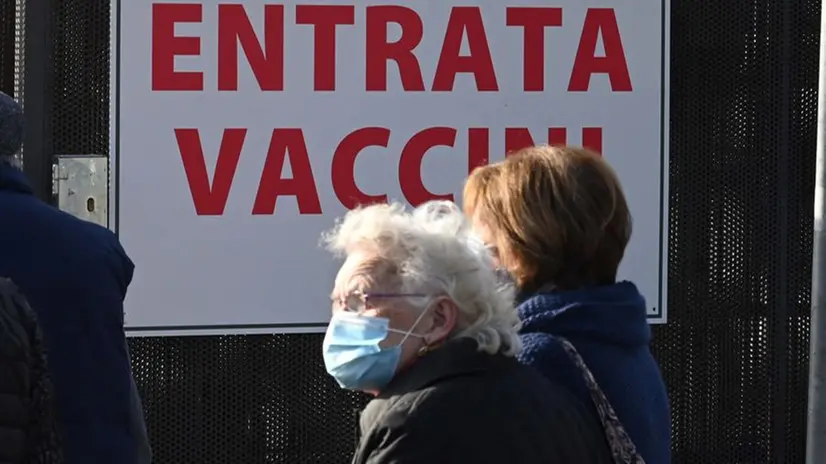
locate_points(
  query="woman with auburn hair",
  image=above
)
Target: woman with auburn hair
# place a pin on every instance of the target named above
(557, 222)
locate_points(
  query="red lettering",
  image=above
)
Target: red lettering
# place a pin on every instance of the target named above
(592, 139)
(379, 51)
(166, 46)
(267, 64)
(478, 148)
(600, 22)
(517, 138)
(283, 144)
(344, 165)
(289, 146)
(210, 200)
(557, 136)
(324, 19)
(479, 62)
(410, 163)
(534, 20)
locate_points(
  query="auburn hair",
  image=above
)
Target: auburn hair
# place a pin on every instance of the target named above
(557, 215)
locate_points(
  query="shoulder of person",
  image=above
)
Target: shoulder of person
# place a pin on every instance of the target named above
(453, 399)
(407, 410)
(409, 428)
(546, 356)
(540, 348)
(424, 426)
(73, 225)
(100, 235)
(101, 242)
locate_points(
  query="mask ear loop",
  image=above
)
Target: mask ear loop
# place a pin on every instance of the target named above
(415, 323)
(424, 349)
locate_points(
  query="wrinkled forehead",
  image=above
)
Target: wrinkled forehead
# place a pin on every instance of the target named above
(360, 273)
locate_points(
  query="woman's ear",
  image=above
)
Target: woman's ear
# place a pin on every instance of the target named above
(444, 315)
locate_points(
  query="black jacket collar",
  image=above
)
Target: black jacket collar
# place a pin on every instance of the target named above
(456, 358)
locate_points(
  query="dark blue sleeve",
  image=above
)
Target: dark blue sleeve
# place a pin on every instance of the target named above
(123, 267)
(98, 420)
(137, 420)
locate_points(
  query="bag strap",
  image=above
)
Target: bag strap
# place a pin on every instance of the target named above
(622, 448)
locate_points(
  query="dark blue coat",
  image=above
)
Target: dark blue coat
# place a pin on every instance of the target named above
(75, 275)
(608, 327)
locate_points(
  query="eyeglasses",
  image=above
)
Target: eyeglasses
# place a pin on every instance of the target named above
(359, 302)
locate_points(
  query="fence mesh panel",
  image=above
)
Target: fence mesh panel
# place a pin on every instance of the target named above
(735, 349)
(743, 120)
(80, 116)
(253, 399)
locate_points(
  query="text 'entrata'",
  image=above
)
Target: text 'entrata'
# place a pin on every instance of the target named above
(266, 57)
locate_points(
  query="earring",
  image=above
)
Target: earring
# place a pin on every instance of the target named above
(423, 350)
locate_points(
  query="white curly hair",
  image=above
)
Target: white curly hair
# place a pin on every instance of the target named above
(432, 250)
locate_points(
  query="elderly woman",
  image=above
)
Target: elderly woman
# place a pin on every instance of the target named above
(418, 322)
(557, 222)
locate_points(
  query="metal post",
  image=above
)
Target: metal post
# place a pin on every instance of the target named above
(7, 23)
(816, 433)
(37, 94)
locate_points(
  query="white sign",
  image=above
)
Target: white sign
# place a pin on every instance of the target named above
(244, 129)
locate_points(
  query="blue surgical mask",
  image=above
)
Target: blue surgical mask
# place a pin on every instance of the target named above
(352, 354)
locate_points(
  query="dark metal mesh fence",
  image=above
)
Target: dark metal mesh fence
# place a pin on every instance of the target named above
(253, 399)
(743, 117)
(735, 349)
(79, 121)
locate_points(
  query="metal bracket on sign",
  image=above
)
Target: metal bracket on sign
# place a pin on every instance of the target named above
(81, 186)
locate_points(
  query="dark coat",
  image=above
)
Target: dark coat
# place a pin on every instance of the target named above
(608, 326)
(460, 405)
(28, 430)
(75, 275)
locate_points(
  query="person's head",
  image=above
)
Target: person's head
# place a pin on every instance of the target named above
(420, 275)
(553, 216)
(11, 127)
